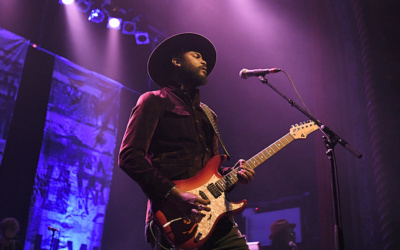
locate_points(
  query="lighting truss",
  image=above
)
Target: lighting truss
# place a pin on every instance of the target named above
(117, 18)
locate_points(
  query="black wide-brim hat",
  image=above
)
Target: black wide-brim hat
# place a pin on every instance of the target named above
(160, 65)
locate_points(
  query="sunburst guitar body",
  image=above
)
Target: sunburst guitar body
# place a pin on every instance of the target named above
(184, 233)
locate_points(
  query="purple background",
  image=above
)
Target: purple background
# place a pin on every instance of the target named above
(343, 58)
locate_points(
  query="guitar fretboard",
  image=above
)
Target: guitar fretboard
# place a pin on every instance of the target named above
(231, 178)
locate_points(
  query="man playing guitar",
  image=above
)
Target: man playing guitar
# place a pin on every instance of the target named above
(169, 138)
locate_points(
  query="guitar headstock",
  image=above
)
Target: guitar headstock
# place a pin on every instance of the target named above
(300, 131)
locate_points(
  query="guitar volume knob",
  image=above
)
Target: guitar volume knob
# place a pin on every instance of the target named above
(198, 236)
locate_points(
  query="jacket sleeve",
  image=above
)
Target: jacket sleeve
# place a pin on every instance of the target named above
(135, 144)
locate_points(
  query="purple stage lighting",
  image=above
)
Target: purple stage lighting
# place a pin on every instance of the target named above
(66, 2)
(96, 16)
(83, 5)
(129, 28)
(114, 23)
(142, 38)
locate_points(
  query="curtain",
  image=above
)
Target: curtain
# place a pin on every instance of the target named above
(74, 172)
(13, 50)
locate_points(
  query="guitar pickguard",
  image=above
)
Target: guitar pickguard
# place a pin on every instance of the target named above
(185, 233)
(219, 207)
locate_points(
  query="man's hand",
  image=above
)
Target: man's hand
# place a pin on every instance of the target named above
(245, 174)
(189, 204)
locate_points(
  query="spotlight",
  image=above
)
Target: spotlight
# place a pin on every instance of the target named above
(83, 5)
(114, 23)
(115, 15)
(128, 27)
(142, 38)
(96, 16)
(66, 2)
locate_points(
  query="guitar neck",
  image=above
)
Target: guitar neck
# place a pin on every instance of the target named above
(269, 151)
(231, 178)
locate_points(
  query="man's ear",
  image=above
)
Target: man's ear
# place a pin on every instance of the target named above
(176, 62)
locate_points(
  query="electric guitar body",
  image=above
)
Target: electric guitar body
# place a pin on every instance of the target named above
(184, 233)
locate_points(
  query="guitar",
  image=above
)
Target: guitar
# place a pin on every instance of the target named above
(209, 184)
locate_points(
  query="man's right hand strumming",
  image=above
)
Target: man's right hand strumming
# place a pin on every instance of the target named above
(189, 204)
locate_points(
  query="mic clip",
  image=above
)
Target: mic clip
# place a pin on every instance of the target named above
(50, 228)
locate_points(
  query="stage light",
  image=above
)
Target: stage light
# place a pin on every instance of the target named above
(66, 2)
(115, 15)
(142, 38)
(114, 23)
(129, 28)
(96, 16)
(83, 5)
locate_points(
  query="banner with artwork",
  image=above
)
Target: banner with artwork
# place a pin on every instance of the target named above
(74, 171)
(13, 50)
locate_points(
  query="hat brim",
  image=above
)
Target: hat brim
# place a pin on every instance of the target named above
(159, 63)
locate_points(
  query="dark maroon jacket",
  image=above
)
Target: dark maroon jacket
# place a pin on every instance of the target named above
(168, 137)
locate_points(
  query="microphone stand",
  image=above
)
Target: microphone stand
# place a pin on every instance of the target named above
(52, 239)
(330, 139)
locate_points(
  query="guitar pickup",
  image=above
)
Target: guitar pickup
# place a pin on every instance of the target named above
(203, 195)
(213, 190)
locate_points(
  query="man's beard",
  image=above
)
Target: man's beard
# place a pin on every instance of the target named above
(194, 77)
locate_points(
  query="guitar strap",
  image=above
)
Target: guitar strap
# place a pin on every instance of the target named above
(210, 117)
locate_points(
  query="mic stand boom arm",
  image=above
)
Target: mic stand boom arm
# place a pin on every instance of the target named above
(333, 137)
(330, 139)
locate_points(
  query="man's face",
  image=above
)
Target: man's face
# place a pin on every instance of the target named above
(194, 68)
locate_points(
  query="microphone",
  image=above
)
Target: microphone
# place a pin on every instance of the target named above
(50, 228)
(245, 73)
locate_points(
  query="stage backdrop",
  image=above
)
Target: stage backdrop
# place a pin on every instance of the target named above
(74, 171)
(13, 50)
